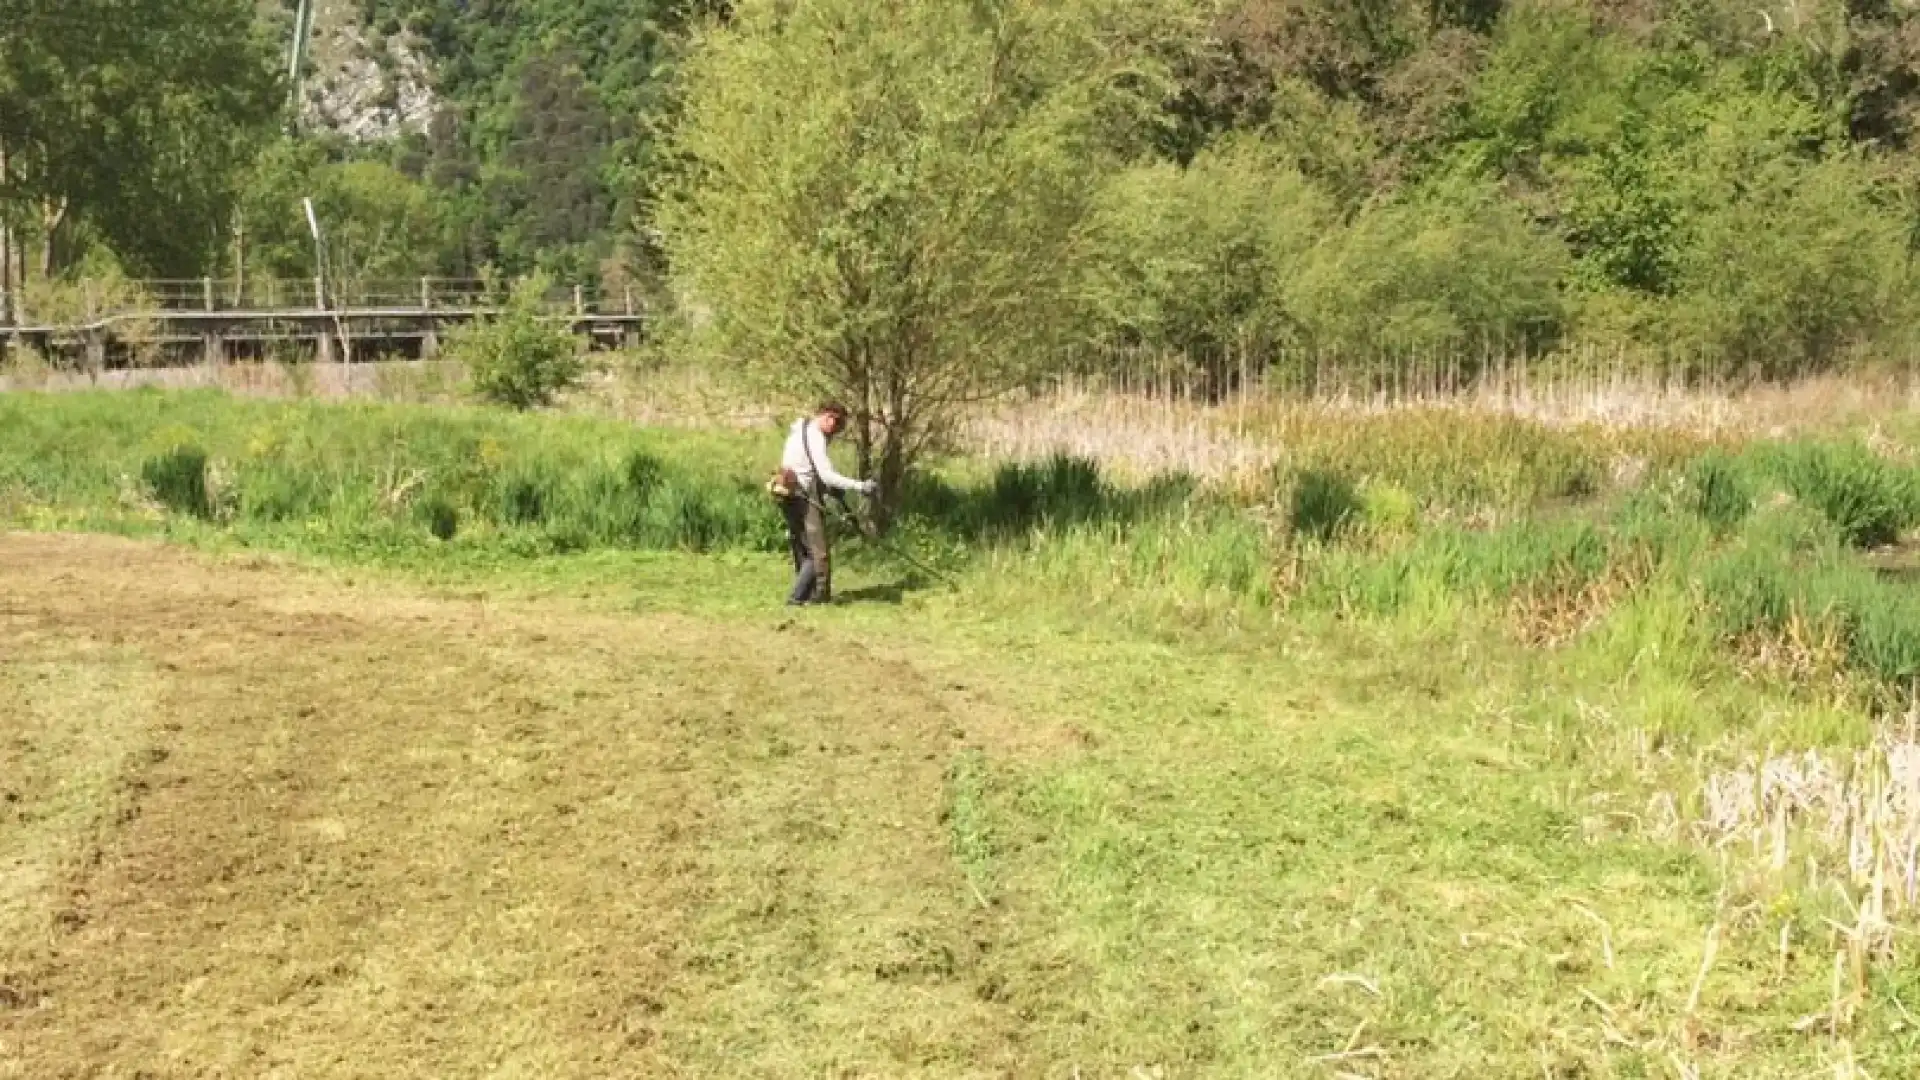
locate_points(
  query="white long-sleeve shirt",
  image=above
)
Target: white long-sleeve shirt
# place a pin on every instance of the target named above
(795, 457)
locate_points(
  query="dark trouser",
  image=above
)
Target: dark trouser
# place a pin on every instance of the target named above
(807, 541)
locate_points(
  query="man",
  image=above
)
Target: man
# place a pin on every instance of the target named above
(813, 476)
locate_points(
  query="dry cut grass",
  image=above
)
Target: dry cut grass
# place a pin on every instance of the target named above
(260, 827)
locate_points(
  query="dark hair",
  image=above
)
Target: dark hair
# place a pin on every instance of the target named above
(833, 409)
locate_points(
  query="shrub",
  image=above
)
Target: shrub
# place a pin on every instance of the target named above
(1058, 491)
(1324, 503)
(689, 520)
(442, 520)
(1868, 499)
(643, 473)
(1883, 633)
(517, 358)
(1186, 255)
(1720, 492)
(1748, 590)
(1388, 510)
(523, 501)
(1784, 277)
(178, 479)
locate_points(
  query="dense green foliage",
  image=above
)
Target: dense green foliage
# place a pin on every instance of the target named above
(127, 124)
(1726, 185)
(542, 152)
(1722, 183)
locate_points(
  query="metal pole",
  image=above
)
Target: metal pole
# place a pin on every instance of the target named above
(319, 278)
(302, 26)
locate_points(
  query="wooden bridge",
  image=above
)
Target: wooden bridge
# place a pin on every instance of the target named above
(216, 320)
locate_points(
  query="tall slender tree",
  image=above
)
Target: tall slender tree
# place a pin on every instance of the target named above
(889, 202)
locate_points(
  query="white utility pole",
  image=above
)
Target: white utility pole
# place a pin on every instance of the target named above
(297, 60)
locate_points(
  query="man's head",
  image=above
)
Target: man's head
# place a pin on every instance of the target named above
(832, 416)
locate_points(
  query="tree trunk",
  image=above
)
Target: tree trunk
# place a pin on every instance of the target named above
(891, 449)
(55, 217)
(239, 259)
(7, 303)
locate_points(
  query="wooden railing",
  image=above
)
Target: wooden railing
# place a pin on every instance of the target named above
(97, 323)
(201, 295)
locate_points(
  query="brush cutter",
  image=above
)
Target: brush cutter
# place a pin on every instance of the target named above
(872, 535)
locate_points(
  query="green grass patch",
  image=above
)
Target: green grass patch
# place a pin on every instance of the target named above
(387, 474)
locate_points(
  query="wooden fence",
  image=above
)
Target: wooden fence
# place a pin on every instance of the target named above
(100, 325)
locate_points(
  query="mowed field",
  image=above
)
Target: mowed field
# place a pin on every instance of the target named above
(265, 821)
(259, 825)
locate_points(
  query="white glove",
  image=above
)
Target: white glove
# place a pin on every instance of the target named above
(869, 487)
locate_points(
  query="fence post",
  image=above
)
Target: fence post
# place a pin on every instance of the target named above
(430, 331)
(324, 345)
(206, 291)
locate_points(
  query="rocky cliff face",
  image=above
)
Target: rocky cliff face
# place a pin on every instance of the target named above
(362, 85)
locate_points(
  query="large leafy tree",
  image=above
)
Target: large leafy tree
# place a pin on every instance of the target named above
(129, 120)
(380, 224)
(889, 202)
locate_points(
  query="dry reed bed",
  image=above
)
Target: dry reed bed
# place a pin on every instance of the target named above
(1858, 813)
(1140, 434)
(1822, 825)
(1130, 430)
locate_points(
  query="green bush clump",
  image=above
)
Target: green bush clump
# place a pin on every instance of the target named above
(1787, 566)
(177, 478)
(1748, 590)
(1883, 632)
(690, 520)
(1323, 504)
(523, 500)
(642, 472)
(1869, 500)
(1059, 490)
(1388, 509)
(441, 517)
(1720, 492)
(518, 359)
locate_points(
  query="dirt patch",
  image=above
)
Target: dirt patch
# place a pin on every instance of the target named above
(377, 833)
